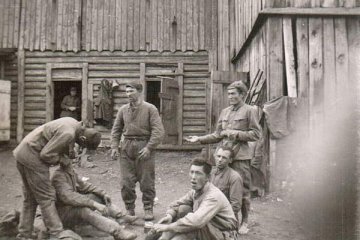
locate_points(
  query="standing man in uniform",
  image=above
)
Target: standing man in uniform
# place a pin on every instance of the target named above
(140, 124)
(237, 125)
(45, 146)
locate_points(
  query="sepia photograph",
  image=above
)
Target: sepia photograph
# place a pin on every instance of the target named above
(180, 119)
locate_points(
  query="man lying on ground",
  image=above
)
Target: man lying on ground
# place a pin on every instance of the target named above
(77, 201)
(227, 179)
(203, 213)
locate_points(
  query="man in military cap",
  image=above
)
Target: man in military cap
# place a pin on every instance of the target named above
(46, 146)
(140, 124)
(238, 124)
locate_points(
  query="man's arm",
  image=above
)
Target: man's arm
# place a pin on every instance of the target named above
(208, 208)
(236, 193)
(214, 137)
(157, 129)
(67, 195)
(56, 148)
(117, 129)
(185, 200)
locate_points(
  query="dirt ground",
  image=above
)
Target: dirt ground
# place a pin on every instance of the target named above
(271, 217)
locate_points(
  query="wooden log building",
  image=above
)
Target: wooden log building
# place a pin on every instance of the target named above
(306, 48)
(185, 52)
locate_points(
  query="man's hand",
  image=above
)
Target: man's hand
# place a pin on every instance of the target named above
(161, 227)
(114, 154)
(166, 219)
(192, 139)
(65, 161)
(229, 133)
(101, 208)
(144, 153)
(107, 200)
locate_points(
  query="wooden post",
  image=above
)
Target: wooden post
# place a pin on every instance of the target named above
(84, 92)
(49, 94)
(90, 111)
(142, 78)
(274, 78)
(289, 57)
(2, 70)
(20, 95)
(180, 78)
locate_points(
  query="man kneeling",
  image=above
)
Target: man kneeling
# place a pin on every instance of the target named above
(77, 201)
(203, 213)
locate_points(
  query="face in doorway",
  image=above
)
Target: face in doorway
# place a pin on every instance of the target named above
(235, 97)
(73, 93)
(222, 158)
(133, 94)
(198, 178)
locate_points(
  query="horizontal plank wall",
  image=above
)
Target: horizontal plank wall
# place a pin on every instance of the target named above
(123, 67)
(102, 25)
(11, 73)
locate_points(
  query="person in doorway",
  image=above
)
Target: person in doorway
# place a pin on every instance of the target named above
(237, 125)
(45, 146)
(140, 124)
(204, 213)
(77, 201)
(70, 105)
(227, 179)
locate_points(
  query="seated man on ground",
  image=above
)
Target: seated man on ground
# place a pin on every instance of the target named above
(77, 201)
(203, 213)
(227, 179)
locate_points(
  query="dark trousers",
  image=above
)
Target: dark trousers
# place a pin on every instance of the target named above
(72, 216)
(243, 168)
(37, 190)
(134, 170)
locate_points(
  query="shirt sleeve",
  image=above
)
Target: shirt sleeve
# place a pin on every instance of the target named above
(87, 187)
(157, 129)
(208, 208)
(185, 200)
(64, 103)
(215, 136)
(56, 148)
(67, 195)
(117, 129)
(236, 193)
(254, 131)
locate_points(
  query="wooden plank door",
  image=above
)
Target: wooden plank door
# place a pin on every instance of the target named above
(169, 97)
(5, 94)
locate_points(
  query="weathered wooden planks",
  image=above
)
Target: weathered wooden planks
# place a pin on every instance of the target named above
(157, 25)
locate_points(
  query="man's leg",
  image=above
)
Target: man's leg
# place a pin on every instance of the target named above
(44, 193)
(243, 168)
(86, 215)
(146, 173)
(28, 211)
(128, 175)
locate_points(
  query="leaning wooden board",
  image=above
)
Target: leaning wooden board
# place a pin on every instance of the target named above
(5, 94)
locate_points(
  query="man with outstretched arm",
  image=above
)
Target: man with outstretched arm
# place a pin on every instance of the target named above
(238, 124)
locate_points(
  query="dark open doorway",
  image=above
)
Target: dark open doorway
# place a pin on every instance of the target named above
(61, 89)
(153, 88)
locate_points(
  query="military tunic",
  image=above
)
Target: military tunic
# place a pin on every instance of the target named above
(141, 127)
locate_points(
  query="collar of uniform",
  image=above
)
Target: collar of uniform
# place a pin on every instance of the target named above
(201, 191)
(220, 171)
(237, 106)
(135, 106)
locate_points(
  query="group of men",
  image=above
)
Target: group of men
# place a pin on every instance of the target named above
(208, 211)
